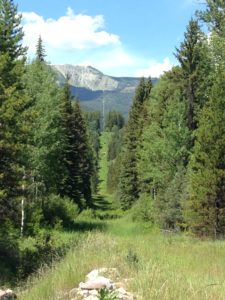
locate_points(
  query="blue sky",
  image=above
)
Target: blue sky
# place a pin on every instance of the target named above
(119, 37)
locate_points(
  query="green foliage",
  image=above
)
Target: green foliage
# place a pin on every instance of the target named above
(47, 137)
(43, 250)
(93, 120)
(106, 294)
(93, 123)
(114, 119)
(163, 152)
(143, 210)
(128, 182)
(195, 64)
(115, 144)
(57, 210)
(40, 51)
(9, 252)
(214, 16)
(13, 102)
(205, 206)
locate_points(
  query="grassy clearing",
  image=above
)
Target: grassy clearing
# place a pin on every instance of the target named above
(160, 266)
(103, 163)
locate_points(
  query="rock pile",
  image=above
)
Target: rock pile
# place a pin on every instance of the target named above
(98, 286)
(7, 295)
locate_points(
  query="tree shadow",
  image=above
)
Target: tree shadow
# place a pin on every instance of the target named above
(83, 226)
(100, 203)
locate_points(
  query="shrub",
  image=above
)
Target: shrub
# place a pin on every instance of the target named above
(87, 214)
(60, 211)
(143, 209)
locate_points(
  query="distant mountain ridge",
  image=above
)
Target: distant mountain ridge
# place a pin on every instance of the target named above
(98, 91)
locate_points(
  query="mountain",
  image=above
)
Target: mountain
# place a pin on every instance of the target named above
(97, 91)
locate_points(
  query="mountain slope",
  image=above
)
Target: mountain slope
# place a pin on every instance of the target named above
(98, 91)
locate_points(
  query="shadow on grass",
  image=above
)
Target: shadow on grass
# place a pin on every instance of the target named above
(100, 203)
(83, 225)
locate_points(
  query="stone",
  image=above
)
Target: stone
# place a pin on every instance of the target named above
(7, 295)
(98, 279)
(91, 297)
(97, 283)
(111, 273)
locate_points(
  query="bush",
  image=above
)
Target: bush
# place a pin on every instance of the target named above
(9, 252)
(143, 209)
(60, 211)
(87, 214)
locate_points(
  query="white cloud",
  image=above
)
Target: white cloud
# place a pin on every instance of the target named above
(155, 69)
(111, 59)
(69, 32)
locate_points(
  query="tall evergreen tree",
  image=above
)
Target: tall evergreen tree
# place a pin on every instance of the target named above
(72, 181)
(40, 51)
(129, 187)
(164, 154)
(195, 65)
(84, 155)
(205, 206)
(12, 105)
(214, 16)
(77, 153)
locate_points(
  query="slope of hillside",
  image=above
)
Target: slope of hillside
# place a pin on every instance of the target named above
(95, 89)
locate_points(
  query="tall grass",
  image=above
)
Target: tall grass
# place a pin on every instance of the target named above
(159, 266)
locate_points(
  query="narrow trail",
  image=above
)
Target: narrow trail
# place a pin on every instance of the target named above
(103, 200)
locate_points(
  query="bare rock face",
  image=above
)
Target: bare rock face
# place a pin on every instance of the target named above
(7, 295)
(87, 77)
(98, 285)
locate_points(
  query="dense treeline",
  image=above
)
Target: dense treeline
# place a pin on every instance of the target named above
(172, 168)
(48, 167)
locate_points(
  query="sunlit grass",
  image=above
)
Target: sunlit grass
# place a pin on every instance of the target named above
(160, 266)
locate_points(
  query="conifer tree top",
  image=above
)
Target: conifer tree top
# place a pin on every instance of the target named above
(40, 51)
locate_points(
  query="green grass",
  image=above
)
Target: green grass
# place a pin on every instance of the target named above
(160, 266)
(103, 164)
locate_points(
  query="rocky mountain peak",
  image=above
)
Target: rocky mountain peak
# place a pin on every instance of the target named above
(87, 77)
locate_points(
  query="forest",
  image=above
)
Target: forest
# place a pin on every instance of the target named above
(64, 170)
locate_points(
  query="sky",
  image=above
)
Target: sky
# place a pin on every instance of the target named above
(118, 37)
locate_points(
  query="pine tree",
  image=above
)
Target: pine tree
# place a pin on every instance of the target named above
(85, 154)
(205, 206)
(77, 153)
(129, 187)
(214, 16)
(40, 51)
(13, 102)
(195, 64)
(163, 153)
(72, 181)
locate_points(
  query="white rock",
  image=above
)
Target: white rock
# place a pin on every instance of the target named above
(93, 292)
(2, 293)
(91, 297)
(97, 283)
(93, 274)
